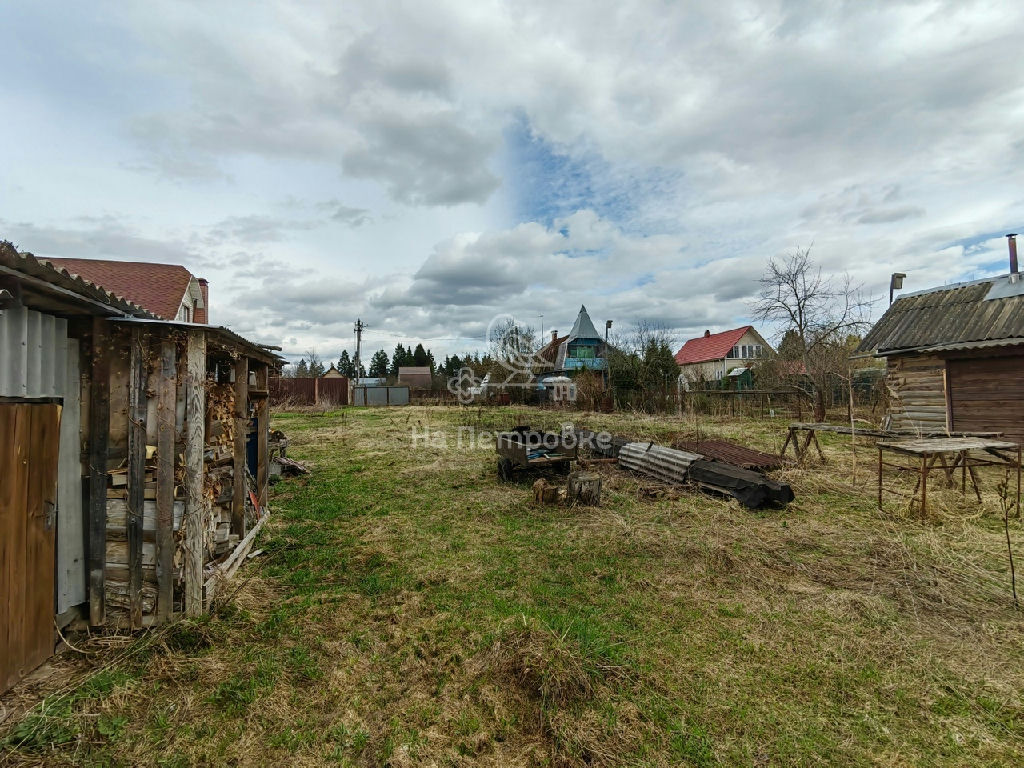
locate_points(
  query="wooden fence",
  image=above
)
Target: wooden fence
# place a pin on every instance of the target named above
(309, 391)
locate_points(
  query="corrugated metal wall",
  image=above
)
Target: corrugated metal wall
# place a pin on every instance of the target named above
(38, 360)
(33, 354)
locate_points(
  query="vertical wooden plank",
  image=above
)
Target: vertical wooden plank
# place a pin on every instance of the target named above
(137, 407)
(166, 396)
(195, 444)
(948, 397)
(262, 439)
(99, 425)
(40, 535)
(241, 431)
(13, 491)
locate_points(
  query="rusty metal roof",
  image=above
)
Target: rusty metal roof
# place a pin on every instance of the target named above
(730, 453)
(949, 317)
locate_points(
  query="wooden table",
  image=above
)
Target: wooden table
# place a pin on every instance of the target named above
(810, 437)
(948, 453)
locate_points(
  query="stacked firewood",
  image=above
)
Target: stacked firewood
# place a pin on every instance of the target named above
(117, 534)
(218, 462)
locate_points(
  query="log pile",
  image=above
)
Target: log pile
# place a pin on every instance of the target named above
(218, 463)
(117, 551)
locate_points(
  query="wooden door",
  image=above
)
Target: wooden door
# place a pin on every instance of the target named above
(987, 395)
(29, 446)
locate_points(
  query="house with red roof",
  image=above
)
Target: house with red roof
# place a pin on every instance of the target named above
(714, 356)
(168, 291)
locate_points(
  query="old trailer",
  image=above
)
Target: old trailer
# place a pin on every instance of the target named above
(524, 449)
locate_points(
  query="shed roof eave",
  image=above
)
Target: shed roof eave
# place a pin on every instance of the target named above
(951, 347)
(251, 348)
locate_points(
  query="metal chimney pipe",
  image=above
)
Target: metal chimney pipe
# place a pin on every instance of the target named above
(1011, 241)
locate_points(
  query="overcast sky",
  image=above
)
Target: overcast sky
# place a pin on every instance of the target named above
(425, 166)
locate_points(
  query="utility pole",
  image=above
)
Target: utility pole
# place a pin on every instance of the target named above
(359, 342)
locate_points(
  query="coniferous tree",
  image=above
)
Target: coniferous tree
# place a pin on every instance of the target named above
(346, 366)
(379, 364)
(397, 360)
(419, 356)
(302, 369)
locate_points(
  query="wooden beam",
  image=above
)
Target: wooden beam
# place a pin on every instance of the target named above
(262, 438)
(137, 407)
(227, 569)
(99, 424)
(166, 395)
(195, 445)
(241, 432)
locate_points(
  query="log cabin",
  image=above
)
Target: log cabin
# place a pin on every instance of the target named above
(955, 357)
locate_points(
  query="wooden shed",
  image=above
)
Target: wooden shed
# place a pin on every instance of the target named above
(133, 459)
(955, 358)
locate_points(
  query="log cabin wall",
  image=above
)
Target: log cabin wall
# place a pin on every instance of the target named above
(917, 393)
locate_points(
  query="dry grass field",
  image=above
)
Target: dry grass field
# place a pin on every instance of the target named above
(408, 609)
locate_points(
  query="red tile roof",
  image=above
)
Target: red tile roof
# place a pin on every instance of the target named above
(709, 347)
(156, 287)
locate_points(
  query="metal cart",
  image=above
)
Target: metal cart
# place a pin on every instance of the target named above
(524, 449)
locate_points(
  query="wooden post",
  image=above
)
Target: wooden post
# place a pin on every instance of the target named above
(195, 445)
(241, 431)
(924, 484)
(584, 488)
(166, 397)
(136, 473)
(262, 450)
(879, 477)
(99, 426)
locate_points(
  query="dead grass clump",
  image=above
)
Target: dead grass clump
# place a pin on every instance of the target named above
(543, 663)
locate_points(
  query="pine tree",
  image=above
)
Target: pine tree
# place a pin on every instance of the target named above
(302, 369)
(397, 360)
(346, 366)
(379, 364)
(419, 356)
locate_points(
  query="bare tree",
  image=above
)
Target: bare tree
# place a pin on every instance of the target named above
(513, 359)
(314, 363)
(819, 314)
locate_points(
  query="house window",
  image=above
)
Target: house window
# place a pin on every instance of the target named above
(185, 314)
(745, 352)
(582, 352)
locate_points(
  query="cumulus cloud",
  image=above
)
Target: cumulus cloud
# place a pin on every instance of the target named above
(645, 159)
